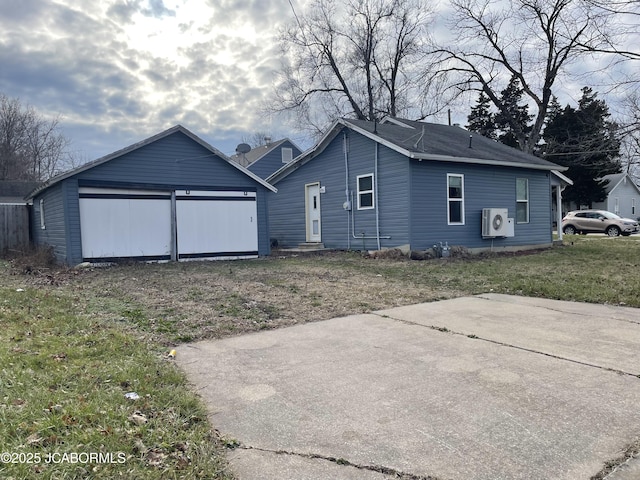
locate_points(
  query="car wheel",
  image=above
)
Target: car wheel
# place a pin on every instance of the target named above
(612, 231)
(569, 230)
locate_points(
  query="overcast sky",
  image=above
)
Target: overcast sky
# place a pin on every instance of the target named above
(119, 71)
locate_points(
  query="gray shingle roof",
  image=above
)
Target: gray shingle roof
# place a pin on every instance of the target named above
(614, 180)
(259, 152)
(425, 141)
(431, 140)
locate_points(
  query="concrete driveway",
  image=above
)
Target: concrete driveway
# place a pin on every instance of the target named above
(486, 387)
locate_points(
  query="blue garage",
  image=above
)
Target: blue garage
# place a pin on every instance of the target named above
(169, 197)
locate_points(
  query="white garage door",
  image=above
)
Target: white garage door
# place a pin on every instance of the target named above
(216, 224)
(118, 223)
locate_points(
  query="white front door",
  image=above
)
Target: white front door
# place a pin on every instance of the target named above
(312, 205)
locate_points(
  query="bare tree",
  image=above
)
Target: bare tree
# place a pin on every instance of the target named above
(31, 148)
(627, 15)
(354, 58)
(533, 41)
(630, 136)
(257, 138)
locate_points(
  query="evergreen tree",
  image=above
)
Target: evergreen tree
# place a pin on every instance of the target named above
(481, 120)
(513, 119)
(584, 140)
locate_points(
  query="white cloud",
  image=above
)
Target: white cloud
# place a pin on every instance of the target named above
(120, 70)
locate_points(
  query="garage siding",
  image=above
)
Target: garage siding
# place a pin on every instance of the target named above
(54, 231)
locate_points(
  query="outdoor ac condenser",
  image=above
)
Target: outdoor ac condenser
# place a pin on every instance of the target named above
(495, 223)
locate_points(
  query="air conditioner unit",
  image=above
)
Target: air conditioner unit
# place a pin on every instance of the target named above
(495, 223)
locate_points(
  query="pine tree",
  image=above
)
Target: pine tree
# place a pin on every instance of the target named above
(513, 119)
(584, 140)
(481, 120)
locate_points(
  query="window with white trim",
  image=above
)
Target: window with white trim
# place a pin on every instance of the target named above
(522, 200)
(42, 225)
(616, 208)
(365, 192)
(455, 199)
(633, 206)
(287, 155)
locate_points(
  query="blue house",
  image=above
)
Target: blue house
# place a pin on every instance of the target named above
(169, 197)
(267, 158)
(411, 185)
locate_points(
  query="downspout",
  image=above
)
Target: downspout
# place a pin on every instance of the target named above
(346, 186)
(363, 236)
(376, 197)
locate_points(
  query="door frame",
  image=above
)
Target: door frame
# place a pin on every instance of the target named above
(309, 237)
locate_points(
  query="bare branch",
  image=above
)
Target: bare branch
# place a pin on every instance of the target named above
(31, 148)
(355, 58)
(533, 41)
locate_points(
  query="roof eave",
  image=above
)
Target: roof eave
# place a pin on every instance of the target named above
(562, 177)
(481, 161)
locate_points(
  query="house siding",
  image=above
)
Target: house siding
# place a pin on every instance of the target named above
(287, 219)
(172, 162)
(272, 161)
(625, 192)
(484, 187)
(391, 196)
(338, 227)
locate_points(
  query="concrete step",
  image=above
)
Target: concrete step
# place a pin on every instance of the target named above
(311, 246)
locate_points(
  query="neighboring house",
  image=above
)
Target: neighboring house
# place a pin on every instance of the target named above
(169, 197)
(623, 196)
(14, 214)
(411, 184)
(13, 192)
(266, 159)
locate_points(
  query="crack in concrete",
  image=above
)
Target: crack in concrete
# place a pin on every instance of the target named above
(632, 453)
(503, 344)
(559, 310)
(338, 461)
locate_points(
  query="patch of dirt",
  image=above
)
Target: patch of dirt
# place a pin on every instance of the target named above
(182, 302)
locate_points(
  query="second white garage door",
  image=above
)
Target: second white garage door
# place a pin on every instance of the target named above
(216, 224)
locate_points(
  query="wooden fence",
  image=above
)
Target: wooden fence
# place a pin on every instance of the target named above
(14, 227)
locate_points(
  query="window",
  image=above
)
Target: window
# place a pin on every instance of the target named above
(633, 206)
(287, 155)
(522, 200)
(616, 208)
(42, 225)
(365, 192)
(455, 199)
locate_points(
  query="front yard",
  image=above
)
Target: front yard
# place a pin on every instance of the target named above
(76, 341)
